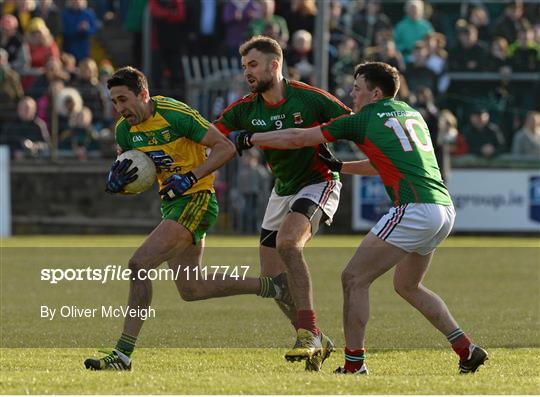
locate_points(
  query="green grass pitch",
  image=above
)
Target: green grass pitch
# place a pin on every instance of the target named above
(235, 345)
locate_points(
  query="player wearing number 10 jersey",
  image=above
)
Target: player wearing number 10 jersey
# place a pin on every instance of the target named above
(397, 143)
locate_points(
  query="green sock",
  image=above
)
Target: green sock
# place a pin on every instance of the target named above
(267, 288)
(126, 344)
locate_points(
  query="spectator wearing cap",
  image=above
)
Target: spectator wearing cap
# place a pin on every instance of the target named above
(483, 138)
(412, 28)
(12, 42)
(526, 141)
(470, 54)
(78, 27)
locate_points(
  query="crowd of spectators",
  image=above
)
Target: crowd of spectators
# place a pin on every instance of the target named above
(49, 82)
(443, 51)
(440, 48)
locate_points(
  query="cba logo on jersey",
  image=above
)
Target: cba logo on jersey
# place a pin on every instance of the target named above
(163, 161)
(373, 198)
(258, 123)
(534, 196)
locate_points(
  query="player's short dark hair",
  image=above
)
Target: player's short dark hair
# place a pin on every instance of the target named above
(379, 74)
(264, 44)
(131, 77)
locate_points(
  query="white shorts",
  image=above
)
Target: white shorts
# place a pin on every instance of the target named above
(416, 227)
(325, 195)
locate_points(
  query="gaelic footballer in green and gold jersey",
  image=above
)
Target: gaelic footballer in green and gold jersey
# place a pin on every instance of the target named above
(175, 136)
(170, 137)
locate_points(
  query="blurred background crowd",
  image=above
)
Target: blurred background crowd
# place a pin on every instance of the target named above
(471, 67)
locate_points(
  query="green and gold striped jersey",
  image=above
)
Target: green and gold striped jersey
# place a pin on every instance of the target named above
(171, 138)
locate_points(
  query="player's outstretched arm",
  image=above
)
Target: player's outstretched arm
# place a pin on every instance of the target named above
(289, 138)
(222, 150)
(361, 167)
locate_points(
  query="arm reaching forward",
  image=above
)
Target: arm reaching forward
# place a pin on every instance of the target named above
(361, 167)
(289, 138)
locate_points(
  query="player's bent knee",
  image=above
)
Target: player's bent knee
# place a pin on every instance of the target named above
(405, 290)
(189, 295)
(190, 292)
(194, 290)
(268, 238)
(288, 245)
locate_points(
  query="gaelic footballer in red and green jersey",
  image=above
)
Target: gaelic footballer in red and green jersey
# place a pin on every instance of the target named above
(396, 139)
(303, 106)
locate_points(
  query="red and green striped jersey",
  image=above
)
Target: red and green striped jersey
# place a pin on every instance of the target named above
(303, 106)
(396, 139)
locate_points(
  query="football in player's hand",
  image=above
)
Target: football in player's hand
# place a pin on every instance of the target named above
(146, 171)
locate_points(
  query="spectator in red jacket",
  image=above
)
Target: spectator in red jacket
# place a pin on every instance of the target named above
(41, 47)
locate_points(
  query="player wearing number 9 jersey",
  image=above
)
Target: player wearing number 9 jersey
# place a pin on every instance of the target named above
(306, 191)
(397, 143)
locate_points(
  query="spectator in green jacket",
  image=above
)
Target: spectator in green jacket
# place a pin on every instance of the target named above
(414, 27)
(259, 26)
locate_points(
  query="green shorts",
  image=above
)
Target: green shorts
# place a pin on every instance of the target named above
(197, 212)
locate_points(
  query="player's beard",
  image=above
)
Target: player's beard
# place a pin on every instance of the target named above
(263, 85)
